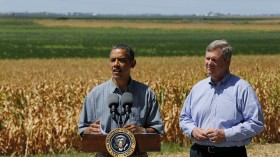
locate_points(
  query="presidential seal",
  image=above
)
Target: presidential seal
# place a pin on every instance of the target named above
(120, 142)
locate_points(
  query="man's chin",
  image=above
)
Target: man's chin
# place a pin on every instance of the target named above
(209, 73)
(117, 77)
(115, 74)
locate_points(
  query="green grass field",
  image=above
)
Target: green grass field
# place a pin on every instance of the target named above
(23, 38)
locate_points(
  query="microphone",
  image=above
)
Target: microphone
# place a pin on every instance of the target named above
(126, 102)
(113, 103)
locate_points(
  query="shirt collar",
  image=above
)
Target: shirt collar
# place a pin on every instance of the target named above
(223, 82)
(115, 89)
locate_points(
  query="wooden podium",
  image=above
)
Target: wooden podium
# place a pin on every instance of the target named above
(144, 143)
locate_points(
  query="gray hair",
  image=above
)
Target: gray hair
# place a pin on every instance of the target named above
(129, 50)
(223, 45)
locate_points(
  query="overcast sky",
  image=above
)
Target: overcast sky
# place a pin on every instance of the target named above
(165, 7)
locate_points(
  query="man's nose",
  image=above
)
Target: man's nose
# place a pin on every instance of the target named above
(116, 63)
(210, 62)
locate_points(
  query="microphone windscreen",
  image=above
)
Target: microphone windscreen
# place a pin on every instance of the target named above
(113, 99)
(126, 99)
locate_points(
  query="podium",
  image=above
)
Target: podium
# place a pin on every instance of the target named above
(144, 143)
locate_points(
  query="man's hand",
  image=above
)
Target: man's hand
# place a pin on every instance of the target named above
(216, 136)
(94, 128)
(134, 128)
(199, 134)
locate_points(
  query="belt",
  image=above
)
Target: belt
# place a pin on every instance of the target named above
(213, 149)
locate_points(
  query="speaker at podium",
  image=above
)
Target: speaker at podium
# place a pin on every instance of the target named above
(121, 142)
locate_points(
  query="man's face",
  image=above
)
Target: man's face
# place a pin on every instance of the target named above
(120, 64)
(216, 66)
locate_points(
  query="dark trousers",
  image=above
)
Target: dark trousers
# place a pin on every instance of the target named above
(205, 151)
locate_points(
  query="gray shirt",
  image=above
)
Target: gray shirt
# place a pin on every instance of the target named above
(144, 111)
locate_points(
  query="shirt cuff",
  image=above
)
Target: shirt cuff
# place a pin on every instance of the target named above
(189, 132)
(81, 131)
(229, 134)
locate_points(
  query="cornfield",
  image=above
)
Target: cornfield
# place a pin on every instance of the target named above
(263, 25)
(41, 99)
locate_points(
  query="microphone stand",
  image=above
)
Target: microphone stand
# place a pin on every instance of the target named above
(126, 113)
(115, 113)
(120, 122)
(126, 118)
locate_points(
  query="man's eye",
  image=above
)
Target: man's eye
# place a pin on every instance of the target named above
(122, 60)
(112, 60)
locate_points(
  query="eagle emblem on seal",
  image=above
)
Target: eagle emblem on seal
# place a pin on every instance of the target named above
(120, 142)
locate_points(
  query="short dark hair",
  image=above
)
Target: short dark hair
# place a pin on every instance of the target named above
(129, 50)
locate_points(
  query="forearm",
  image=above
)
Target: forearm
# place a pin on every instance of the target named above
(187, 128)
(186, 124)
(243, 131)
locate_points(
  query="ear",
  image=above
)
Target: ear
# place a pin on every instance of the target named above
(228, 62)
(133, 63)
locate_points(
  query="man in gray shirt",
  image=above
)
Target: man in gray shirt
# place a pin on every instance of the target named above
(145, 117)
